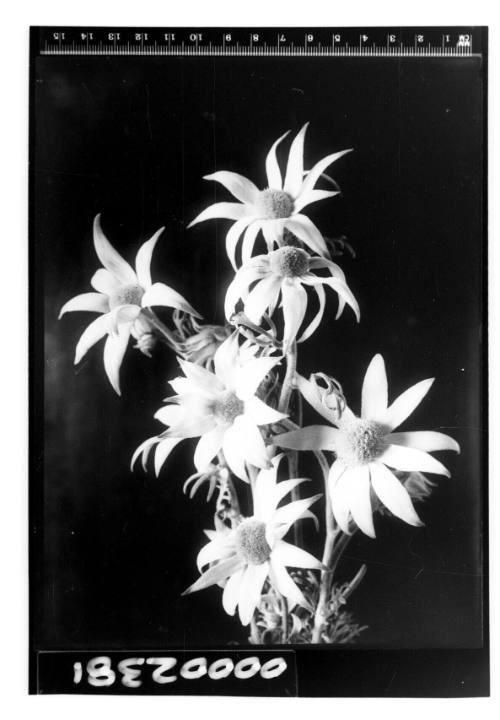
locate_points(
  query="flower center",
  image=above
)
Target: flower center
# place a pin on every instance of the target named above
(273, 204)
(360, 442)
(126, 295)
(251, 541)
(227, 407)
(289, 262)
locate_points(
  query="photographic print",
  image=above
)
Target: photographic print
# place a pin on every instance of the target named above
(258, 361)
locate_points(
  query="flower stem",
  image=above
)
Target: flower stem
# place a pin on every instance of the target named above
(284, 620)
(284, 402)
(288, 381)
(165, 334)
(335, 543)
(254, 631)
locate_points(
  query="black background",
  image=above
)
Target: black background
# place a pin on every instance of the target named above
(132, 138)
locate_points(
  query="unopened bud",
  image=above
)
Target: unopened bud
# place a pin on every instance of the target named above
(146, 343)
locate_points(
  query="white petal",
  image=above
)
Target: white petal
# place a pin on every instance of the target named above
(295, 166)
(314, 174)
(293, 556)
(233, 236)
(284, 487)
(215, 574)
(238, 288)
(374, 393)
(405, 458)
(248, 377)
(250, 590)
(233, 453)
(225, 360)
(243, 189)
(163, 450)
(249, 240)
(310, 393)
(314, 324)
(170, 414)
(226, 210)
(231, 592)
(262, 296)
(289, 514)
(108, 256)
(144, 449)
(190, 427)
(143, 260)
(260, 413)
(313, 437)
(429, 441)
(91, 302)
(114, 350)
(285, 585)
(272, 231)
(272, 167)
(122, 315)
(160, 294)
(339, 487)
(307, 231)
(405, 404)
(359, 500)
(311, 197)
(316, 263)
(92, 334)
(218, 549)
(104, 282)
(263, 493)
(202, 378)
(294, 310)
(345, 295)
(208, 446)
(392, 494)
(249, 441)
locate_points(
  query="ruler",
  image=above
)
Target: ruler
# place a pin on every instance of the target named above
(423, 42)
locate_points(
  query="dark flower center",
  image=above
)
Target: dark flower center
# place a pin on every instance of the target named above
(289, 262)
(251, 541)
(360, 442)
(273, 204)
(227, 407)
(126, 295)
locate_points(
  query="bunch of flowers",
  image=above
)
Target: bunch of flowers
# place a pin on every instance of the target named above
(234, 396)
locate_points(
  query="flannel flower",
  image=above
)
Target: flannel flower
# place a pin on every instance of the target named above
(221, 408)
(276, 208)
(367, 447)
(247, 555)
(121, 299)
(287, 270)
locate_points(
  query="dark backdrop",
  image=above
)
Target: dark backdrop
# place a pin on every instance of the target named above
(131, 139)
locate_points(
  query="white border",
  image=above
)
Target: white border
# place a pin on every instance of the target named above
(16, 17)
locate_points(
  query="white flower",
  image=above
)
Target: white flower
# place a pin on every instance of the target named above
(275, 208)
(221, 408)
(121, 297)
(286, 270)
(367, 447)
(255, 550)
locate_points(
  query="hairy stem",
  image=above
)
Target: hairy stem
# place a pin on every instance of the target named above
(254, 631)
(284, 402)
(284, 620)
(288, 380)
(162, 330)
(335, 543)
